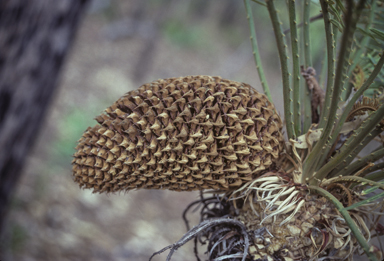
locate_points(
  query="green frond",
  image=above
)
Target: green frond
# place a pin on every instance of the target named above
(353, 142)
(376, 176)
(282, 46)
(377, 34)
(351, 223)
(362, 41)
(353, 154)
(372, 170)
(335, 11)
(259, 2)
(367, 84)
(365, 201)
(373, 189)
(306, 33)
(296, 67)
(360, 163)
(255, 49)
(330, 43)
(306, 43)
(336, 23)
(351, 18)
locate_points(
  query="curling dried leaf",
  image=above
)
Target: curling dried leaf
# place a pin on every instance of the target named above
(353, 125)
(310, 137)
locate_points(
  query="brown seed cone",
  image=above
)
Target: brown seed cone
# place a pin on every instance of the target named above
(186, 133)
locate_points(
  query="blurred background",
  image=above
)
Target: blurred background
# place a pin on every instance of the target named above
(121, 45)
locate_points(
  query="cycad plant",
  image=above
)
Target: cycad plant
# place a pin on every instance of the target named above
(309, 196)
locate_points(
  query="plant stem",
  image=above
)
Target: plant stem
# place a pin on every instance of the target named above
(365, 129)
(365, 39)
(310, 164)
(354, 152)
(330, 63)
(349, 106)
(371, 189)
(255, 50)
(306, 101)
(365, 201)
(348, 219)
(260, 2)
(345, 49)
(355, 166)
(323, 73)
(373, 168)
(307, 41)
(342, 65)
(377, 176)
(356, 54)
(306, 108)
(281, 46)
(357, 179)
(296, 67)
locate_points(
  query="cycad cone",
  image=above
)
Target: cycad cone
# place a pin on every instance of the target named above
(187, 133)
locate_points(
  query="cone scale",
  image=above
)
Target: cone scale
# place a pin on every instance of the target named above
(187, 133)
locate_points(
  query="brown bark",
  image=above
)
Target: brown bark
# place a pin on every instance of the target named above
(35, 37)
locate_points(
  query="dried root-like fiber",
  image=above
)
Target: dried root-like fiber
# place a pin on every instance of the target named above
(283, 221)
(232, 226)
(291, 224)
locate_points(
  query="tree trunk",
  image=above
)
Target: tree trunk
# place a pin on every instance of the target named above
(35, 36)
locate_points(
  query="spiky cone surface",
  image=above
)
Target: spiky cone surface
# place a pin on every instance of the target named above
(186, 133)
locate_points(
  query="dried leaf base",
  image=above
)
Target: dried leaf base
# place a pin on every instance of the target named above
(316, 230)
(271, 219)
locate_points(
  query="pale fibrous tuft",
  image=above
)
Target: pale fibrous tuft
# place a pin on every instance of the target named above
(183, 134)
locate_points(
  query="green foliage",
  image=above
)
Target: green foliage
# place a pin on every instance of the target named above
(366, 63)
(354, 37)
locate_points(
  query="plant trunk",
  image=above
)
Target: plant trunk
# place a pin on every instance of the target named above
(35, 37)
